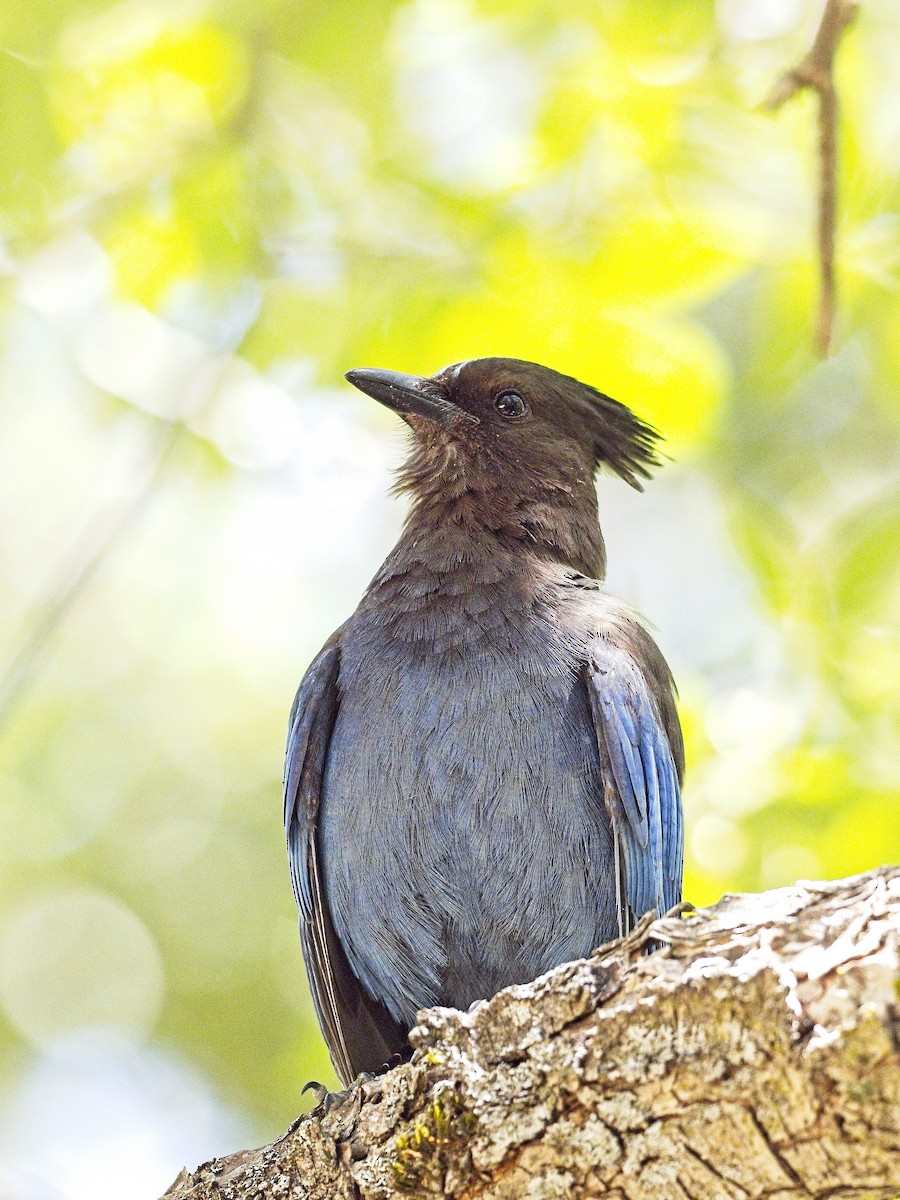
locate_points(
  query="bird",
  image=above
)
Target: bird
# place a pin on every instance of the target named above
(484, 762)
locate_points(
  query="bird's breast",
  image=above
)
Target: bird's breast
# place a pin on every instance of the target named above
(462, 818)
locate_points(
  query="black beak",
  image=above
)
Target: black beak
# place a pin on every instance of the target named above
(410, 396)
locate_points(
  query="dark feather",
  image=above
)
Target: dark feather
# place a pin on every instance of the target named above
(622, 441)
(360, 1034)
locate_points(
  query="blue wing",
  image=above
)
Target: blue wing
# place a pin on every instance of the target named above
(639, 738)
(360, 1034)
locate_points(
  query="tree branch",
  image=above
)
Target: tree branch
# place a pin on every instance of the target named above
(816, 71)
(756, 1055)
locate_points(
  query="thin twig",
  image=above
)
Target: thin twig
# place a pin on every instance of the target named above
(816, 72)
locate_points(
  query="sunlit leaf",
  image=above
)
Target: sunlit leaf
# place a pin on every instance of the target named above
(150, 250)
(657, 257)
(868, 563)
(133, 94)
(769, 545)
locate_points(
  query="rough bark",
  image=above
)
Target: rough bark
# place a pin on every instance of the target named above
(757, 1054)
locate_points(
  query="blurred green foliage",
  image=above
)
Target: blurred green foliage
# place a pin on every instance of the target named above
(210, 210)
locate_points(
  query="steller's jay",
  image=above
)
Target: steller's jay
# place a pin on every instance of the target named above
(484, 762)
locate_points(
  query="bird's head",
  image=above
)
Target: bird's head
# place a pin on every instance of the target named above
(510, 415)
(507, 443)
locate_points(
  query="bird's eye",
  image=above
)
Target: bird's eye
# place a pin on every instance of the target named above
(510, 405)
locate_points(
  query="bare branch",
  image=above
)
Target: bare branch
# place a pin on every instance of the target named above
(755, 1057)
(816, 72)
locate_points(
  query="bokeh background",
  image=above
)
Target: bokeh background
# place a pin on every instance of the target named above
(209, 209)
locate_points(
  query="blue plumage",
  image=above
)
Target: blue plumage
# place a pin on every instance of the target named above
(643, 794)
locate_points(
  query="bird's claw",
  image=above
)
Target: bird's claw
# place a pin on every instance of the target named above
(320, 1090)
(326, 1101)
